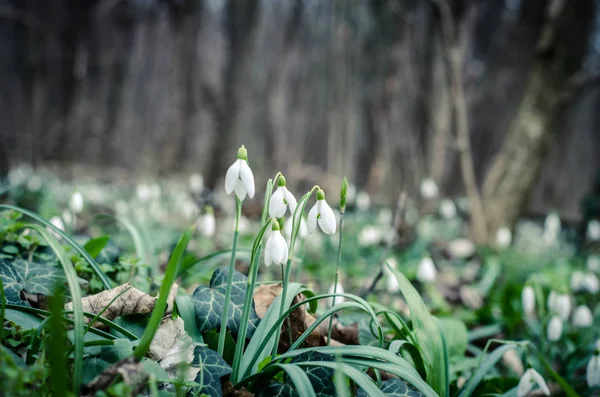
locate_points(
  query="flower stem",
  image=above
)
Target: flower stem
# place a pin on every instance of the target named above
(225, 317)
(286, 278)
(337, 273)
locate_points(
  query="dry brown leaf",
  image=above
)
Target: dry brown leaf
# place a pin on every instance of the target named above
(130, 370)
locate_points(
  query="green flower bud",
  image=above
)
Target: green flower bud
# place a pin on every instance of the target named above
(320, 194)
(242, 153)
(281, 181)
(281, 222)
(343, 194)
(275, 225)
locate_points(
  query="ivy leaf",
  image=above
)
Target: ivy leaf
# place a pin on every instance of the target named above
(394, 388)
(37, 278)
(212, 368)
(321, 378)
(276, 389)
(11, 283)
(208, 303)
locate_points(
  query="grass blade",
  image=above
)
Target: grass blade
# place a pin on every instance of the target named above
(299, 378)
(58, 338)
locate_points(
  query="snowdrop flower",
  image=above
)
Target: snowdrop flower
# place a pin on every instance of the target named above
(593, 230)
(528, 299)
(57, 222)
(239, 176)
(76, 202)
(67, 217)
(555, 328)
(369, 235)
(321, 214)
(196, 183)
(560, 304)
(593, 264)
(276, 249)
(281, 200)
(592, 371)
(426, 271)
(207, 223)
(582, 317)
(447, 209)
(287, 229)
(503, 237)
(591, 283)
(551, 228)
(392, 283)
(577, 281)
(461, 248)
(428, 189)
(385, 217)
(363, 201)
(528, 380)
(34, 184)
(336, 299)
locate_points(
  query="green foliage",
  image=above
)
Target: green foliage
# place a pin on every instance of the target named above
(394, 388)
(211, 368)
(31, 277)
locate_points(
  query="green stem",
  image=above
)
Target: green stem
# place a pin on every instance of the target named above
(286, 279)
(337, 274)
(223, 330)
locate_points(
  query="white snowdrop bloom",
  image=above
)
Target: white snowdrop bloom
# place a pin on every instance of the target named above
(281, 200)
(577, 281)
(428, 189)
(276, 249)
(287, 229)
(528, 299)
(593, 230)
(207, 223)
(560, 304)
(363, 201)
(336, 299)
(76, 202)
(551, 228)
(385, 217)
(555, 328)
(143, 192)
(461, 248)
(239, 176)
(391, 281)
(591, 283)
(67, 217)
(34, 184)
(448, 209)
(196, 183)
(592, 371)
(351, 193)
(57, 222)
(529, 379)
(321, 214)
(593, 263)
(426, 271)
(582, 316)
(503, 237)
(369, 235)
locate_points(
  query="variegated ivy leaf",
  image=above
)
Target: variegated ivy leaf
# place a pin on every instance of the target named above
(208, 303)
(212, 368)
(31, 277)
(394, 388)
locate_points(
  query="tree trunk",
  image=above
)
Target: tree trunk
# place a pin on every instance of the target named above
(561, 48)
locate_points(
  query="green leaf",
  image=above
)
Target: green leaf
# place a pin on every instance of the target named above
(37, 278)
(456, 334)
(212, 368)
(96, 245)
(208, 303)
(92, 367)
(185, 309)
(24, 320)
(321, 378)
(11, 283)
(394, 388)
(276, 389)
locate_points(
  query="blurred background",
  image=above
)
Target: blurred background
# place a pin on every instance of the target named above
(492, 99)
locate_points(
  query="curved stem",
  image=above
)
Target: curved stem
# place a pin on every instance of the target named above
(337, 273)
(225, 317)
(286, 279)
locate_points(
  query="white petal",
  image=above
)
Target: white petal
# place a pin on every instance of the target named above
(555, 329)
(525, 384)
(303, 229)
(291, 200)
(541, 382)
(240, 190)
(269, 250)
(311, 221)
(276, 205)
(327, 219)
(287, 229)
(528, 299)
(592, 373)
(280, 256)
(232, 176)
(247, 177)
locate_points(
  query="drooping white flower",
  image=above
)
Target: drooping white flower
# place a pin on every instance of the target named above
(461, 248)
(447, 209)
(592, 371)
(591, 283)
(391, 281)
(239, 176)
(336, 299)
(385, 217)
(287, 229)
(276, 249)
(560, 304)
(321, 214)
(551, 228)
(281, 200)
(34, 184)
(529, 379)
(528, 299)
(582, 316)
(593, 230)
(207, 223)
(428, 189)
(593, 263)
(196, 183)
(369, 235)
(363, 201)
(143, 192)
(57, 222)
(67, 217)
(503, 237)
(76, 202)
(555, 328)
(577, 281)
(426, 271)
